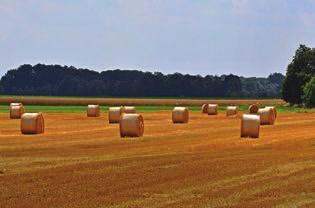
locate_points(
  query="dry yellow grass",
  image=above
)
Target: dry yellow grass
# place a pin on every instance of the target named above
(137, 101)
(83, 162)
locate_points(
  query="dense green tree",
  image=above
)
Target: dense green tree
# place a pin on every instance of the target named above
(309, 93)
(276, 78)
(232, 85)
(299, 72)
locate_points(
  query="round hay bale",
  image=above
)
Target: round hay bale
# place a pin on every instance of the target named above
(274, 110)
(93, 111)
(267, 116)
(212, 109)
(250, 126)
(253, 109)
(204, 108)
(16, 111)
(131, 125)
(231, 111)
(114, 114)
(180, 115)
(129, 109)
(32, 123)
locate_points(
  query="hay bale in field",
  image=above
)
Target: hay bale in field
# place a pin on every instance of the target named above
(32, 123)
(93, 111)
(131, 125)
(212, 109)
(231, 111)
(274, 110)
(267, 116)
(129, 109)
(253, 109)
(114, 114)
(16, 111)
(250, 126)
(204, 108)
(180, 115)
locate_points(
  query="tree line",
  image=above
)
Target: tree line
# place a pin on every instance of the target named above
(56, 80)
(297, 87)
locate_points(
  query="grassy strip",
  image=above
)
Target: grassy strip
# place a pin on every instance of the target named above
(82, 108)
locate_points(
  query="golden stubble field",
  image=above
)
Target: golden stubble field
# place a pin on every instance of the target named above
(135, 101)
(82, 162)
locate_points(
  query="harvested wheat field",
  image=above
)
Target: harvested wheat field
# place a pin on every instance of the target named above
(134, 101)
(83, 162)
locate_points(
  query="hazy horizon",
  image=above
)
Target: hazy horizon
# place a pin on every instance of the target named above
(242, 37)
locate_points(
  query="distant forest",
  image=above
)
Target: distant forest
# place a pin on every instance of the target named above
(56, 80)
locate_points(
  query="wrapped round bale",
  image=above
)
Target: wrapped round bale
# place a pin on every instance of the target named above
(93, 110)
(267, 116)
(250, 126)
(274, 110)
(253, 109)
(231, 111)
(180, 115)
(32, 123)
(114, 114)
(129, 109)
(131, 125)
(204, 108)
(212, 109)
(16, 111)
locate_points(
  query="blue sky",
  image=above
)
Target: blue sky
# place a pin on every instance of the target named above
(244, 37)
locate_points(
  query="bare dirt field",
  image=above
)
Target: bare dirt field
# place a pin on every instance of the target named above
(82, 162)
(136, 101)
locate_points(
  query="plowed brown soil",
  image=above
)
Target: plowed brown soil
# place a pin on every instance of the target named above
(136, 101)
(82, 162)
